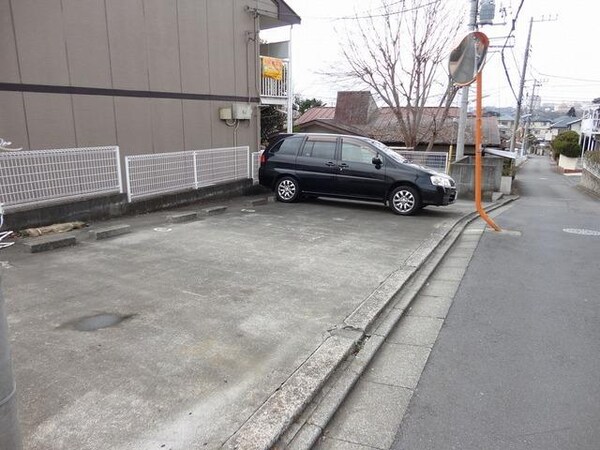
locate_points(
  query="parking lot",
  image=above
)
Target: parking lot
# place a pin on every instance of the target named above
(213, 316)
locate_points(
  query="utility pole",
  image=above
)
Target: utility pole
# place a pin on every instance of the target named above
(525, 146)
(523, 73)
(513, 138)
(464, 98)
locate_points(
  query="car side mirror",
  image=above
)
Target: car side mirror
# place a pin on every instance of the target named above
(377, 161)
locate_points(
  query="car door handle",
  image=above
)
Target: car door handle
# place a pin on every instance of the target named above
(330, 164)
(344, 166)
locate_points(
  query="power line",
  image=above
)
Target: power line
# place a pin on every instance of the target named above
(568, 78)
(366, 12)
(402, 11)
(512, 29)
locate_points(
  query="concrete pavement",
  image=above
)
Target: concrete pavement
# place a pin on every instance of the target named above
(215, 317)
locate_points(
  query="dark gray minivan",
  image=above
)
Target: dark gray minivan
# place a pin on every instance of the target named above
(350, 167)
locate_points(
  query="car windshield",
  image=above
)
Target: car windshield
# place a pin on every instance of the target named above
(388, 151)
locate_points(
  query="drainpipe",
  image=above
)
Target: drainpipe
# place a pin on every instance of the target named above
(10, 436)
(290, 87)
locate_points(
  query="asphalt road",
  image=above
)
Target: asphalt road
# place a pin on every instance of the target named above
(516, 363)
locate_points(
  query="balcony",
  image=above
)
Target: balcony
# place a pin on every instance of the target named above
(274, 92)
(590, 122)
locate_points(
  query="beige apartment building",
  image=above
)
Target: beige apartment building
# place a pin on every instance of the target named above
(147, 75)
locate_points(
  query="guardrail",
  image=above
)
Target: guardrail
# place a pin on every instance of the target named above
(39, 177)
(164, 173)
(434, 160)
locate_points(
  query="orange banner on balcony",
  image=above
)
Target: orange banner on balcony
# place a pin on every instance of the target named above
(272, 68)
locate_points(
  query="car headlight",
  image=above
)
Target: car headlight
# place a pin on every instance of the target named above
(440, 181)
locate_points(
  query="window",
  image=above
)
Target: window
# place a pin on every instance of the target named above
(319, 148)
(355, 152)
(287, 146)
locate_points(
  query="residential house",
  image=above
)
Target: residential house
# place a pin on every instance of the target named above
(539, 126)
(505, 126)
(590, 128)
(562, 124)
(357, 113)
(147, 75)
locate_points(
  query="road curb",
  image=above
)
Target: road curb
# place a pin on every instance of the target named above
(264, 427)
(311, 422)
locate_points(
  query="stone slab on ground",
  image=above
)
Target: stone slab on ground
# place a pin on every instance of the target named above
(214, 210)
(47, 243)
(182, 217)
(371, 418)
(109, 232)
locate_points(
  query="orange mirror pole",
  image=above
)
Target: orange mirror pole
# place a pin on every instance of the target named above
(478, 158)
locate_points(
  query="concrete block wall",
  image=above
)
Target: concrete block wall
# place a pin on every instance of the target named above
(590, 181)
(463, 172)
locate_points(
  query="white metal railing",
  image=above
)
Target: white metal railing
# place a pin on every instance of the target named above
(270, 87)
(434, 160)
(255, 165)
(38, 177)
(163, 173)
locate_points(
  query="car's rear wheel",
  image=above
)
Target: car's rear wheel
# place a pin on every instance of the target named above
(405, 200)
(287, 190)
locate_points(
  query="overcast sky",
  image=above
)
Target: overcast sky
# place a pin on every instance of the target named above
(564, 53)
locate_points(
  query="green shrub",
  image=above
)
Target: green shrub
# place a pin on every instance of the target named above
(566, 144)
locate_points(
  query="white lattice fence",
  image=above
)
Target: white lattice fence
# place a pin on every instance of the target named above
(222, 165)
(38, 177)
(163, 173)
(434, 160)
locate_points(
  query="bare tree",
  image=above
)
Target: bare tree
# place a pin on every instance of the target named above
(399, 51)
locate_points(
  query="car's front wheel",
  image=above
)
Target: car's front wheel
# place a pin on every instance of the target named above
(287, 190)
(405, 201)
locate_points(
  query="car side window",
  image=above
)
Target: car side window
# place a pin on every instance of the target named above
(287, 146)
(355, 152)
(319, 148)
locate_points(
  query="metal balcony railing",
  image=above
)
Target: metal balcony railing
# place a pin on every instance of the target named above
(275, 88)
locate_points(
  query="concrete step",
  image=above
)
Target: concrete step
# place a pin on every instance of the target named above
(47, 243)
(108, 232)
(213, 211)
(182, 217)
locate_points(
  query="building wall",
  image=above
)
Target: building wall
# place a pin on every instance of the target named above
(147, 75)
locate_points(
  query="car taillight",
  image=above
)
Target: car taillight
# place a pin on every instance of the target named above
(263, 159)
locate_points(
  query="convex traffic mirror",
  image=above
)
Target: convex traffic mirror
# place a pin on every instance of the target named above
(466, 60)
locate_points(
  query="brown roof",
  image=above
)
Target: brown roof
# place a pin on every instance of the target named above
(318, 112)
(383, 125)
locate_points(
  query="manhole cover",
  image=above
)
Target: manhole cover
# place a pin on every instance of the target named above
(582, 231)
(97, 321)
(162, 229)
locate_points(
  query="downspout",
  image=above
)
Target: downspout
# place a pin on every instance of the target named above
(290, 87)
(257, 75)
